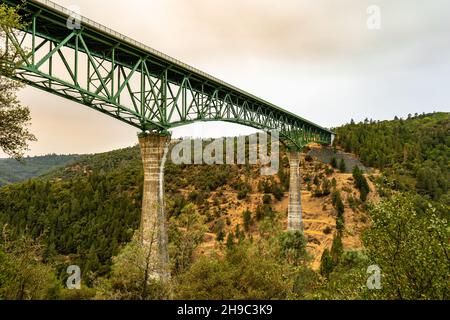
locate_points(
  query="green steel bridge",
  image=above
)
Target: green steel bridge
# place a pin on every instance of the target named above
(118, 76)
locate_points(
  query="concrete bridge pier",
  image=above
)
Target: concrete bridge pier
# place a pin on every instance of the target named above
(153, 229)
(295, 200)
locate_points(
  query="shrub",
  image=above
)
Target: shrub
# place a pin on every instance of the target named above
(334, 163)
(326, 264)
(342, 166)
(247, 218)
(264, 211)
(278, 193)
(267, 199)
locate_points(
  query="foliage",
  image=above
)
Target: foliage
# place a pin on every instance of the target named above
(247, 218)
(293, 247)
(23, 275)
(264, 211)
(186, 232)
(249, 271)
(415, 152)
(85, 217)
(220, 230)
(323, 187)
(334, 163)
(132, 277)
(361, 183)
(13, 171)
(14, 118)
(342, 166)
(411, 248)
(326, 263)
(267, 199)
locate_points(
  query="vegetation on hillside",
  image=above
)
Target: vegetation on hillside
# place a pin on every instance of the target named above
(414, 152)
(88, 212)
(14, 117)
(13, 171)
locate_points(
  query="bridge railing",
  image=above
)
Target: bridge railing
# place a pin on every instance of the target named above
(133, 42)
(90, 23)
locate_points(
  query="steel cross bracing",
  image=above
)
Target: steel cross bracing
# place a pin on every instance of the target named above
(113, 74)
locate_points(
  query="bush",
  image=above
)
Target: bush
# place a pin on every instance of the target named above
(249, 271)
(342, 166)
(334, 163)
(267, 199)
(411, 248)
(242, 195)
(361, 183)
(326, 264)
(293, 247)
(220, 230)
(264, 211)
(278, 193)
(247, 218)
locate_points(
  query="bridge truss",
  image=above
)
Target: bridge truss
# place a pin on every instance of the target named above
(133, 83)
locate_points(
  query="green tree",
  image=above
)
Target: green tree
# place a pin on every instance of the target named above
(230, 241)
(334, 163)
(342, 166)
(131, 277)
(186, 234)
(336, 200)
(250, 271)
(361, 183)
(267, 199)
(220, 230)
(337, 249)
(411, 248)
(247, 218)
(293, 247)
(23, 275)
(14, 118)
(326, 264)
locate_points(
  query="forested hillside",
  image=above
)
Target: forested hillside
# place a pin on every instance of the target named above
(12, 171)
(413, 152)
(226, 226)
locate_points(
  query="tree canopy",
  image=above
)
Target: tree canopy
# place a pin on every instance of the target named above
(14, 117)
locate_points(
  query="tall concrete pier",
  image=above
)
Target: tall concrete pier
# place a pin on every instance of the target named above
(153, 229)
(295, 193)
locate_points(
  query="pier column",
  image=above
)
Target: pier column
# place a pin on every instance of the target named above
(295, 193)
(153, 230)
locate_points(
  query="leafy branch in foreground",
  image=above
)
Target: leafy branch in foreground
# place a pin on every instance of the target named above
(14, 118)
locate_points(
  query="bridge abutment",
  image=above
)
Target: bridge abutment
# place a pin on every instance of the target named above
(153, 229)
(295, 194)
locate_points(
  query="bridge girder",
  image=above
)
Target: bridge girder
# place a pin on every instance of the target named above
(146, 89)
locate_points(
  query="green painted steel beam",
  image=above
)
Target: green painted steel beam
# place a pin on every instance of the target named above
(138, 85)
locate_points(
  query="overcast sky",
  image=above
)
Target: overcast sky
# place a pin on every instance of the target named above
(316, 58)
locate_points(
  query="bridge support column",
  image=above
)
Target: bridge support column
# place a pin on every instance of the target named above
(295, 193)
(153, 230)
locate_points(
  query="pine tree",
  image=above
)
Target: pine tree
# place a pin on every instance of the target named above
(230, 241)
(334, 162)
(247, 217)
(342, 166)
(337, 249)
(326, 264)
